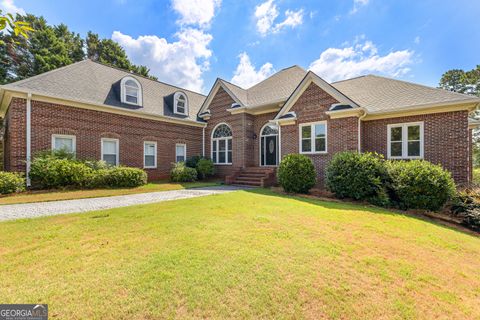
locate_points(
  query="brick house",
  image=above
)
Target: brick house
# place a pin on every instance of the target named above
(100, 112)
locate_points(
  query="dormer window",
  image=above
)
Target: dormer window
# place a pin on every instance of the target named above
(131, 91)
(180, 103)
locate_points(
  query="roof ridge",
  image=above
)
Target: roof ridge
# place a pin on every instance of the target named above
(45, 73)
(233, 84)
(142, 76)
(276, 73)
(423, 86)
(357, 77)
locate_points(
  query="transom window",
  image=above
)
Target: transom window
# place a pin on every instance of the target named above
(222, 144)
(180, 103)
(110, 151)
(150, 154)
(64, 142)
(180, 152)
(313, 137)
(405, 140)
(131, 91)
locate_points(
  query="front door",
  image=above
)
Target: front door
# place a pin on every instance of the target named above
(269, 151)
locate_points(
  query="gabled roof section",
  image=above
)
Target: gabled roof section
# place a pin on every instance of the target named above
(379, 94)
(310, 78)
(273, 90)
(98, 84)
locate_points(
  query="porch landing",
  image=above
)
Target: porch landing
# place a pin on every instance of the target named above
(253, 177)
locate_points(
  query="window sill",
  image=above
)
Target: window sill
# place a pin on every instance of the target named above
(405, 158)
(149, 167)
(222, 164)
(314, 153)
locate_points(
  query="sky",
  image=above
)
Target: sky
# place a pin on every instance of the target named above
(190, 43)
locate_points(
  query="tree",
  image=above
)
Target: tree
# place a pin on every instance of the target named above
(458, 80)
(21, 28)
(111, 53)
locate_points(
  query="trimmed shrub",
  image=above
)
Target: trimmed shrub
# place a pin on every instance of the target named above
(11, 182)
(121, 177)
(296, 173)
(467, 207)
(193, 161)
(181, 173)
(205, 168)
(50, 172)
(360, 176)
(419, 184)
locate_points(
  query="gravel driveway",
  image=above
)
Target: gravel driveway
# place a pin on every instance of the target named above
(40, 209)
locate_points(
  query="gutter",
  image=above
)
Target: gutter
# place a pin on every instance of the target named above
(203, 142)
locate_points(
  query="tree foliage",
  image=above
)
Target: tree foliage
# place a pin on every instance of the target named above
(54, 46)
(461, 81)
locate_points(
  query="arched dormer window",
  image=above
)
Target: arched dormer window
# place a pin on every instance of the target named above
(180, 103)
(131, 91)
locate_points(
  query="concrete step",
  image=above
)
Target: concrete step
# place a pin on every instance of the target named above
(242, 178)
(247, 183)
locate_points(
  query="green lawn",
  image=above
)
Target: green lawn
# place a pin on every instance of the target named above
(247, 254)
(55, 195)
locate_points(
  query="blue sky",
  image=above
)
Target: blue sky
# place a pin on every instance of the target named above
(191, 42)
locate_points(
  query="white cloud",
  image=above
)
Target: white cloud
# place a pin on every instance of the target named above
(360, 58)
(266, 14)
(246, 76)
(196, 12)
(8, 6)
(181, 63)
(417, 40)
(357, 4)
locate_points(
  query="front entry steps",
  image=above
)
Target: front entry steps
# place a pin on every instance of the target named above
(253, 177)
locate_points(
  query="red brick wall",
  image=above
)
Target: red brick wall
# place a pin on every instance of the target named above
(242, 131)
(89, 127)
(446, 140)
(342, 134)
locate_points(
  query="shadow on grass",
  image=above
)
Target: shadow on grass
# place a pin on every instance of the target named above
(345, 206)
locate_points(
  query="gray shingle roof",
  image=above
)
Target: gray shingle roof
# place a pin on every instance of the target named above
(95, 83)
(276, 88)
(380, 94)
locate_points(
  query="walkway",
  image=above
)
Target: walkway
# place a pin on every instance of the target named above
(40, 209)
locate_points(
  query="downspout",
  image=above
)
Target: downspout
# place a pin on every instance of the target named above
(360, 130)
(29, 137)
(203, 142)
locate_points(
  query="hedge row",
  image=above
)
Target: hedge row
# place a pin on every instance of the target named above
(49, 171)
(194, 168)
(414, 184)
(11, 182)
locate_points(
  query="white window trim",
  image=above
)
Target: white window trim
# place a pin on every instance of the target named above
(265, 147)
(124, 91)
(65, 136)
(404, 127)
(118, 148)
(154, 154)
(175, 97)
(312, 138)
(184, 148)
(212, 139)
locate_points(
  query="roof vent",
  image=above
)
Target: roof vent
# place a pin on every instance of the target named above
(235, 105)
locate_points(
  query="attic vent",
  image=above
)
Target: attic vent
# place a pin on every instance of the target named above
(235, 105)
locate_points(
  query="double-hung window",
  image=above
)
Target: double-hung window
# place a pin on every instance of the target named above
(110, 151)
(313, 137)
(149, 154)
(405, 140)
(180, 152)
(64, 142)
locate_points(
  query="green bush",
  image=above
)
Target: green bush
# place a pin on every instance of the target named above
(296, 173)
(360, 176)
(205, 168)
(193, 161)
(11, 182)
(123, 177)
(466, 206)
(181, 173)
(50, 172)
(419, 184)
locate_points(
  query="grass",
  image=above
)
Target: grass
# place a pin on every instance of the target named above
(247, 254)
(55, 195)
